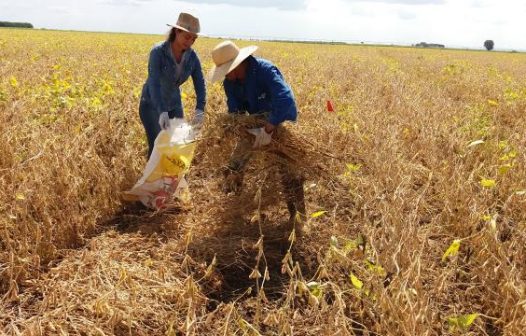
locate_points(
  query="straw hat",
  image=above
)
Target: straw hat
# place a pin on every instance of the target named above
(227, 56)
(187, 22)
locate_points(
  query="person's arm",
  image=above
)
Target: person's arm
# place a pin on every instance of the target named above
(154, 81)
(283, 104)
(199, 85)
(231, 100)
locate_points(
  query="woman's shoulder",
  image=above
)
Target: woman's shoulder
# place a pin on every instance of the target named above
(159, 46)
(192, 56)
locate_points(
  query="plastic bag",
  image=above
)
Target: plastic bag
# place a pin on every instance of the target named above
(163, 176)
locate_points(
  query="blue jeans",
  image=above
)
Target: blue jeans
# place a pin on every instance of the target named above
(150, 121)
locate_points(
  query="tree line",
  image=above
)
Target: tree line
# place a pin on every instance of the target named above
(16, 24)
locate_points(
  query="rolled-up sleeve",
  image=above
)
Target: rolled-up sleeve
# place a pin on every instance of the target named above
(231, 100)
(154, 80)
(282, 98)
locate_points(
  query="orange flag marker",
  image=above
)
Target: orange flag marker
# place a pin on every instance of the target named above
(330, 108)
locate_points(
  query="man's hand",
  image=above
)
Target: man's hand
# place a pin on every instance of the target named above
(164, 121)
(269, 128)
(262, 137)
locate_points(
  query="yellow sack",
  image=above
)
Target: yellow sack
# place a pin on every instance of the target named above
(163, 177)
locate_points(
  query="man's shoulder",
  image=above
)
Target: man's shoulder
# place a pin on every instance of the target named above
(265, 69)
(263, 63)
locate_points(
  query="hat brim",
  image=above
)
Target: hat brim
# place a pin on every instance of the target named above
(218, 73)
(182, 28)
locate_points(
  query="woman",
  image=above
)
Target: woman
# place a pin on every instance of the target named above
(171, 63)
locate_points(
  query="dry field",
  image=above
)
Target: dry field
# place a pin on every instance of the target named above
(417, 215)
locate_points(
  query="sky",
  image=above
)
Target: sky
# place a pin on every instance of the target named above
(454, 23)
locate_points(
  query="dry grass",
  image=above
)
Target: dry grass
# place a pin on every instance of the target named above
(393, 169)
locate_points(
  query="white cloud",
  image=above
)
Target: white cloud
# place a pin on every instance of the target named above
(124, 2)
(302, 4)
(279, 4)
(62, 10)
(455, 23)
(405, 14)
(403, 2)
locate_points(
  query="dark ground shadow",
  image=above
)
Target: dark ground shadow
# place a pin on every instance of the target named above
(134, 217)
(237, 227)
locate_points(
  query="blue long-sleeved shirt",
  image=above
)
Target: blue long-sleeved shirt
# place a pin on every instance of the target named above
(263, 90)
(161, 89)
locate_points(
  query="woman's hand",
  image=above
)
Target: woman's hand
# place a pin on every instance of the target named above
(199, 116)
(164, 121)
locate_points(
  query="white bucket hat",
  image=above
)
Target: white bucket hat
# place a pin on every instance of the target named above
(188, 23)
(227, 56)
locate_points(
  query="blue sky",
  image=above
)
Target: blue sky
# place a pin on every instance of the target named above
(455, 23)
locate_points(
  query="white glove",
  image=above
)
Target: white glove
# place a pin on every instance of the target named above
(199, 115)
(262, 137)
(164, 121)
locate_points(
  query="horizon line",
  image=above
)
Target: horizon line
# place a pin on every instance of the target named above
(294, 39)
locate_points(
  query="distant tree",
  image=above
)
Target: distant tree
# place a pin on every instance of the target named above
(15, 24)
(489, 44)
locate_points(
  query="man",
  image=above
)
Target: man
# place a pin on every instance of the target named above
(256, 86)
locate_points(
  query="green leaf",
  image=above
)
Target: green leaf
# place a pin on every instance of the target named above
(375, 268)
(505, 168)
(357, 283)
(315, 289)
(318, 213)
(493, 102)
(13, 81)
(488, 183)
(462, 321)
(360, 240)
(353, 244)
(452, 250)
(353, 167)
(350, 245)
(508, 156)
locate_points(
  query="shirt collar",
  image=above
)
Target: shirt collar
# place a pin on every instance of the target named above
(168, 51)
(251, 68)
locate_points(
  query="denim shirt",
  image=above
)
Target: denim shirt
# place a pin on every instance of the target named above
(263, 90)
(161, 89)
